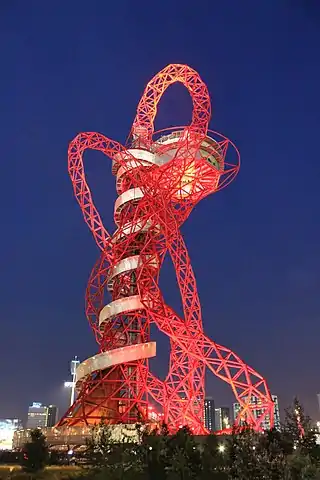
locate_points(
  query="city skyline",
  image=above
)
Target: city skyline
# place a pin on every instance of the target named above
(265, 276)
(212, 411)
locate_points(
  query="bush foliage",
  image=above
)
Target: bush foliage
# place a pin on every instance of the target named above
(288, 454)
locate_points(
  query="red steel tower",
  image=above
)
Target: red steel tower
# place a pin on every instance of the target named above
(160, 177)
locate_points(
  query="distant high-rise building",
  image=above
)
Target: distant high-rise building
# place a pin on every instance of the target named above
(277, 423)
(52, 415)
(319, 399)
(257, 412)
(40, 416)
(222, 418)
(37, 416)
(209, 414)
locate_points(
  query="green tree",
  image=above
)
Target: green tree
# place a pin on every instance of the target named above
(245, 459)
(183, 456)
(99, 446)
(298, 428)
(300, 467)
(35, 452)
(214, 459)
(113, 460)
(154, 448)
(304, 461)
(271, 449)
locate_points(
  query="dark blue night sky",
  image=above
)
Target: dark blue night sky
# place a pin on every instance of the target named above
(72, 66)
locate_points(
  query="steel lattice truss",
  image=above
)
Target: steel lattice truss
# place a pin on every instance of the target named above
(160, 177)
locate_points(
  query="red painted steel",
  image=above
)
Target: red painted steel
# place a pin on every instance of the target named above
(148, 228)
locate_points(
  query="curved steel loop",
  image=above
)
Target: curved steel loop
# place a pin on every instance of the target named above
(143, 124)
(82, 192)
(94, 141)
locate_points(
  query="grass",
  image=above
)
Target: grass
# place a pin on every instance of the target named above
(54, 472)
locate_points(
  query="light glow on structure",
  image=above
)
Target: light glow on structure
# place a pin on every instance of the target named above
(187, 180)
(160, 178)
(226, 422)
(154, 416)
(7, 429)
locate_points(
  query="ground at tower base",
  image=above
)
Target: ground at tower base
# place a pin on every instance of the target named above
(160, 177)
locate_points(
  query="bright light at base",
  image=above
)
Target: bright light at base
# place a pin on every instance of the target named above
(221, 448)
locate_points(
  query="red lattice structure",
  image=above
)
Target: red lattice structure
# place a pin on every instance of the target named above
(160, 177)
